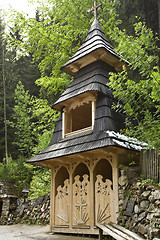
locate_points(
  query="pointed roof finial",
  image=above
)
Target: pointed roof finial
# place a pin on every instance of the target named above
(95, 9)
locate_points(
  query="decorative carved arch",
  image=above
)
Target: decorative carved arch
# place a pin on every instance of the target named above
(98, 159)
(105, 164)
(80, 169)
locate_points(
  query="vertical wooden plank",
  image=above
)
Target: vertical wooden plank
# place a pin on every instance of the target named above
(92, 208)
(145, 165)
(150, 164)
(71, 199)
(93, 112)
(115, 186)
(100, 234)
(142, 162)
(154, 164)
(52, 199)
(63, 124)
(158, 164)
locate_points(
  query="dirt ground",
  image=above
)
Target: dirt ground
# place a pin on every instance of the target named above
(28, 232)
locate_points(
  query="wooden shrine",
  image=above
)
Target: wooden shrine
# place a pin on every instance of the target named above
(86, 147)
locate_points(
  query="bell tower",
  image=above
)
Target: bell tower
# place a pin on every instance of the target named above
(87, 146)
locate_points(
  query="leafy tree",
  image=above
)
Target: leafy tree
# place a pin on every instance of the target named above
(41, 183)
(139, 88)
(17, 172)
(146, 11)
(21, 123)
(14, 70)
(33, 122)
(55, 35)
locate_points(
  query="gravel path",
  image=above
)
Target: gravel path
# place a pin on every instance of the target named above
(28, 232)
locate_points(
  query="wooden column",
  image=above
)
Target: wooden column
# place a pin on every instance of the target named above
(93, 112)
(115, 186)
(63, 123)
(71, 199)
(92, 208)
(52, 200)
(100, 234)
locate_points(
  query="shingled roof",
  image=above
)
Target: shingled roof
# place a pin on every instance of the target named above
(93, 77)
(86, 142)
(95, 47)
(91, 65)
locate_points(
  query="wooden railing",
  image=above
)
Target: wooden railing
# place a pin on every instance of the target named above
(150, 164)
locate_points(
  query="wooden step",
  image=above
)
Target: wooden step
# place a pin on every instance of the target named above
(117, 232)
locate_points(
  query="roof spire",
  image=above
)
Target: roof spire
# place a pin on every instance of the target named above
(95, 8)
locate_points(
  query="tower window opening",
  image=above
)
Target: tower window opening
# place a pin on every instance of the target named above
(78, 119)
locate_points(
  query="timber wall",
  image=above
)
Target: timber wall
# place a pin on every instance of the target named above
(150, 164)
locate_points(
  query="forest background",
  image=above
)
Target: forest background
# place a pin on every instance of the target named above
(32, 50)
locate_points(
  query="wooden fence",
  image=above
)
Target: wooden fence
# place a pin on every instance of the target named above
(150, 164)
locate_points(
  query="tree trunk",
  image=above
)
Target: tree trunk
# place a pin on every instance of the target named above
(4, 99)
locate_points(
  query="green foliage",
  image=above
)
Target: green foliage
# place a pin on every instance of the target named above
(33, 122)
(41, 183)
(50, 38)
(17, 172)
(138, 89)
(21, 122)
(55, 35)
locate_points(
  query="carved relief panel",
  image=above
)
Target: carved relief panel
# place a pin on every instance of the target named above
(62, 204)
(103, 200)
(81, 200)
(104, 194)
(62, 198)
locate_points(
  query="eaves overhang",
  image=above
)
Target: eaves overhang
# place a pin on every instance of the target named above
(86, 142)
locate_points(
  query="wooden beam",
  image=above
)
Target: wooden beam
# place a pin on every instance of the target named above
(132, 234)
(118, 232)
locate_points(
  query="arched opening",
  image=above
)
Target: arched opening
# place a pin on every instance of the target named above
(81, 170)
(104, 169)
(61, 176)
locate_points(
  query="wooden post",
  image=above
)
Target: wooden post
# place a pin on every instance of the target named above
(93, 112)
(115, 188)
(63, 124)
(71, 199)
(100, 234)
(52, 200)
(92, 208)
